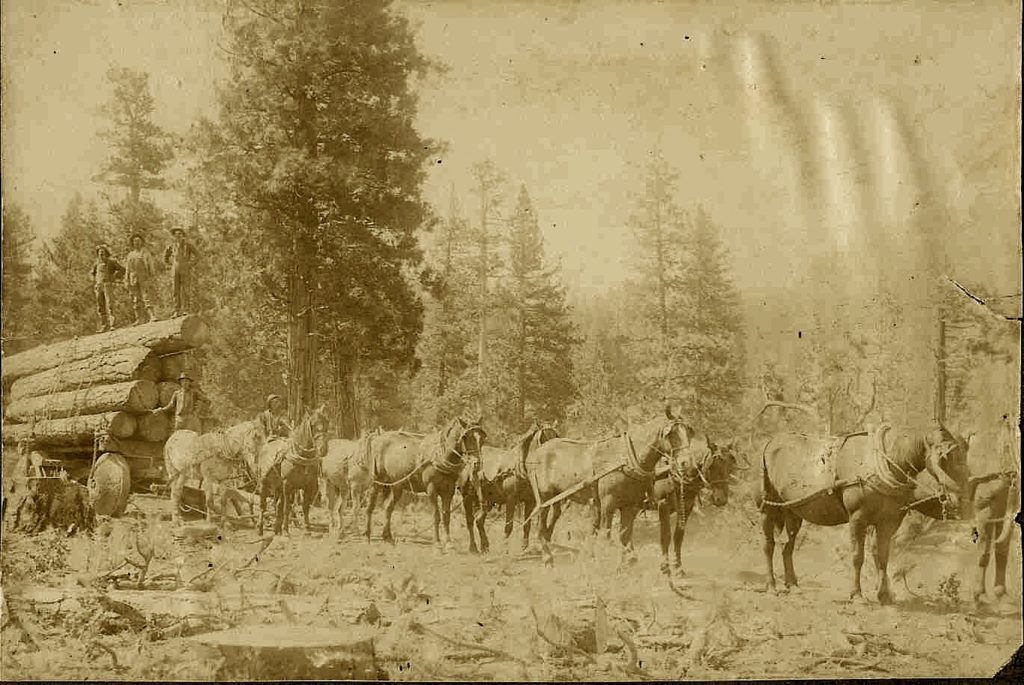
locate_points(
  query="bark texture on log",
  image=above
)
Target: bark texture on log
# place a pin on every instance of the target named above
(117, 366)
(73, 430)
(166, 390)
(131, 396)
(152, 428)
(163, 337)
(280, 652)
(174, 364)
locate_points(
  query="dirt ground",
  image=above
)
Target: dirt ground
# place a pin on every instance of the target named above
(503, 615)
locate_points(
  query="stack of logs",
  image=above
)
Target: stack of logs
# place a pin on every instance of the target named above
(77, 400)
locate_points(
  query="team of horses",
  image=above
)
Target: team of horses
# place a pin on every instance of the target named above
(862, 480)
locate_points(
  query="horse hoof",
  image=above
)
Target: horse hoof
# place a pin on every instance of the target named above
(886, 599)
(666, 570)
(999, 591)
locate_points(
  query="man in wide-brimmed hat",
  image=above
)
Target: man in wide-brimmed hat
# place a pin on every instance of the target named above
(105, 272)
(184, 402)
(181, 256)
(272, 418)
(140, 272)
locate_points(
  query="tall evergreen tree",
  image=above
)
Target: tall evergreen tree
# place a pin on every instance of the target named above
(18, 239)
(538, 336)
(708, 354)
(321, 167)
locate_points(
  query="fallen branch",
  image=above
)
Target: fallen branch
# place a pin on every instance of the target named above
(416, 626)
(102, 647)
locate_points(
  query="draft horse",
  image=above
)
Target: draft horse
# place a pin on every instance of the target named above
(856, 479)
(285, 467)
(702, 466)
(434, 464)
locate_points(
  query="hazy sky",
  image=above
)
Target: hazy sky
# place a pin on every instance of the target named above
(790, 123)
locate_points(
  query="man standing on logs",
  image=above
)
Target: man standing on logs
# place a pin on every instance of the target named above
(183, 402)
(180, 255)
(140, 271)
(105, 272)
(272, 418)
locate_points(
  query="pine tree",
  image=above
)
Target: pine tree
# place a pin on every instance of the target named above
(18, 238)
(446, 378)
(65, 304)
(321, 167)
(708, 354)
(537, 336)
(140, 151)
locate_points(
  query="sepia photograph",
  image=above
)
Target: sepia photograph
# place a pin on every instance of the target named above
(511, 340)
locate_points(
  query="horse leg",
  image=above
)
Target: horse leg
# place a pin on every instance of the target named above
(984, 530)
(684, 509)
(309, 494)
(333, 508)
(285, 505)
(510, 518)
(858, 530)
(481, 528)
(665, 529)
(884, 530)
(469, 509)
(446, 515)
(389, 509)
(769, 522)
(627, 516)
(370, 504)
(528, 505)
(177, 488)
(793, 525)
(1002, 554)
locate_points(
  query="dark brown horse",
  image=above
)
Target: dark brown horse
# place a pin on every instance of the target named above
(504, 481)
(861, 479)
(433, 464)
(618, 471)
(993, 499)
(704, 465)
(285, 467)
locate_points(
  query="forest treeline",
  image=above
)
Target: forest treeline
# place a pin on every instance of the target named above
(327, 277)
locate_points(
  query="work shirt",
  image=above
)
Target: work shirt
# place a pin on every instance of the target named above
(273, 425)
(184, 404)
(105, 270)
(139, 266)
(180, 255)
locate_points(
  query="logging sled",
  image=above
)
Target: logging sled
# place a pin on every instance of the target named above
(82, 409)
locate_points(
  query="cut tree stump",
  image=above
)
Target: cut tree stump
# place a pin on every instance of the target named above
(110, 484)
(131, 396)
(73, 430)
(116, 366)
(289, 652)
(163, 337)
(41, 503)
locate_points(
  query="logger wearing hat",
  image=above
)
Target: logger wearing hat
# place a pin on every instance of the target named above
(272, 418)
(184, 403)
(140, 272)
(105, 272)
(181, 256)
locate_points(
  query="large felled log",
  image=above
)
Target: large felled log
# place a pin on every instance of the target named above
(73, 430)
(132, 396)
(134, 449)
(163, 337)
(153, 428)
(166, 391)
(116, 366)
(172, 365)
(110, 484)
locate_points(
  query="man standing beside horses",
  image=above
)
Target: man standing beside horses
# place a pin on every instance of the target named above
(184, 403)
(274, 424)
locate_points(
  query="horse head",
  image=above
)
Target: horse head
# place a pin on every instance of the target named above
(945, 459)
(717, 469)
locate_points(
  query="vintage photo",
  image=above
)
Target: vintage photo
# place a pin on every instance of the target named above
(510, 340)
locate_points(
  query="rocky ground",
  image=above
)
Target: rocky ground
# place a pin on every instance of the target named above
(73, 607)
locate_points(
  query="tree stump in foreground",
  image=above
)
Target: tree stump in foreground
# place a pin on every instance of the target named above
(40, 503)
(289, 652)
(110, 484)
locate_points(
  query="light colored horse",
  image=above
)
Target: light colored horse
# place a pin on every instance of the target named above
(345, 479)
(214, 458)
